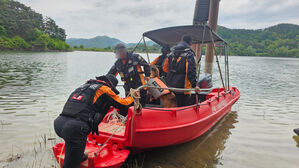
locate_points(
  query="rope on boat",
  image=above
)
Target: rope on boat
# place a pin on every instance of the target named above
(114, 115)
(137, 106)
(96, 153)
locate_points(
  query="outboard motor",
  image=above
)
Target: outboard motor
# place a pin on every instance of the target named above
(205, 81)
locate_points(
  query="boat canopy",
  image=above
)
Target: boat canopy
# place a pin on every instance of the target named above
(170, 36)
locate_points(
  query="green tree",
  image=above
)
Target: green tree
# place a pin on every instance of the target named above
(33, 34)
(53, 30)
(3, 31)
(18, 18)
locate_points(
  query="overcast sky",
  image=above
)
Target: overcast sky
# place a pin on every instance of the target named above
(128, 19)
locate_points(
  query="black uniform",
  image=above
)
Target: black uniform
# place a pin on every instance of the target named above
(181, 71)
(83, 111)
(131, 73)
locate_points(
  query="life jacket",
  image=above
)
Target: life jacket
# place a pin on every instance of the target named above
(80, 102)
(129, 72)
(160, 64)
(177, 70)
(155, 92)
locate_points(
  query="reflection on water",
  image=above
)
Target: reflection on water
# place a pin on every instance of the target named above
(35, 86)
(205, 151)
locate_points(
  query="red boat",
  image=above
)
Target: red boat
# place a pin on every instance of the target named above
(154, 127)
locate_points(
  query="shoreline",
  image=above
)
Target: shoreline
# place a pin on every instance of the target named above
(73, 50)
(203, 55)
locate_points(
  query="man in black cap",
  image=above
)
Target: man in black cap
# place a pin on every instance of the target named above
(82, 113)
(296, 130)
(159, 61)
(181, 70)
(129, 67)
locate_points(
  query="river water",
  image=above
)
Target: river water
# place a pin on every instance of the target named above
(257, 133)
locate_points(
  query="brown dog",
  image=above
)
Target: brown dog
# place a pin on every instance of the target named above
(167, 98)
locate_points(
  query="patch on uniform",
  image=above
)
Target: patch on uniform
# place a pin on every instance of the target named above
(93, 87)
(75, 97)
(131, 69)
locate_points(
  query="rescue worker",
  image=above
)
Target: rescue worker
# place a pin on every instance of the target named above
(82, 113)
(129, 67)
(159, 61)
(181, 70)
(296, 130)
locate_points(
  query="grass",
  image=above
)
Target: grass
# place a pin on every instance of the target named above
(41, 156)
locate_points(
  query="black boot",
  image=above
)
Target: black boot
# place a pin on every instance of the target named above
(85, 157)
(296, 130)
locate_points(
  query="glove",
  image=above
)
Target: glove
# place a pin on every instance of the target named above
(98, 117)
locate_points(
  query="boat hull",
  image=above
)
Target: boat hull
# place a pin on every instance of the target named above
(157, 127)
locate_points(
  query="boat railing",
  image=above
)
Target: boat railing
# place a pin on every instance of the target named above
(192, 90)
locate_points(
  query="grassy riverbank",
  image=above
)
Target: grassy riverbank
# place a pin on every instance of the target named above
(39, 42)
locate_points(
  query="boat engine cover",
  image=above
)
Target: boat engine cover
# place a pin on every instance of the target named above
(205, 81)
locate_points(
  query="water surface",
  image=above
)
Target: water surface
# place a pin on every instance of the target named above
(257, 133)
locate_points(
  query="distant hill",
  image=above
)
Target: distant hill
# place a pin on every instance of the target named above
(100, 42)
(279, 40)
(96, 42)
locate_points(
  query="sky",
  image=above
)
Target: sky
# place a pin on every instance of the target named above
(128, 19)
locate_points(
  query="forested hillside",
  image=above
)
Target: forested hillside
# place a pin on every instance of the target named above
(21, 28)
(280, 40)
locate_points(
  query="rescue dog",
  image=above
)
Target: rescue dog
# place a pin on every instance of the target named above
(168, 99)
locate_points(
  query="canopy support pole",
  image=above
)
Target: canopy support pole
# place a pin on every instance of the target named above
(213, 18)
(227, 64)
(217, 60)
(225, 68)
(136, 45)
(146, 50)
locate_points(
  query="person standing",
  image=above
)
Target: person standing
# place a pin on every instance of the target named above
(181, 70)
(159, 61)
(129, 67)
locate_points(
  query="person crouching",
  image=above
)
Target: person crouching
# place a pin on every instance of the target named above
(82, 113)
